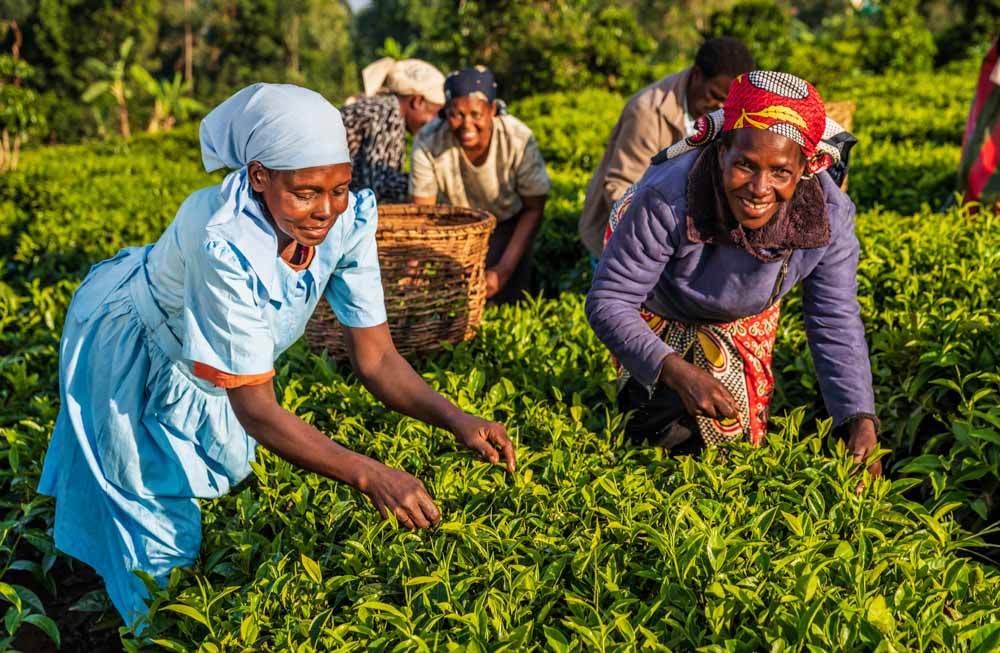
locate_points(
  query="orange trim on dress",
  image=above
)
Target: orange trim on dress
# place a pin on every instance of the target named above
(226, 380)
(309, 254)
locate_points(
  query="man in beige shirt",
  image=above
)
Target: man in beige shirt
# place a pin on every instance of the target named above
(654, 118)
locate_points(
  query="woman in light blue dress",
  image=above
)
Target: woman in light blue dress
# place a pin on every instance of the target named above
(168, 350)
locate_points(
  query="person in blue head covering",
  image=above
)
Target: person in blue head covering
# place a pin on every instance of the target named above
(168, 350)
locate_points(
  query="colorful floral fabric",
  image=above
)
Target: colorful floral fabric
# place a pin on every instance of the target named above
(738, 354)
(376, 136)
(977, 175)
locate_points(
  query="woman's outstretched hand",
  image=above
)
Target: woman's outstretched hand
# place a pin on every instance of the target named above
(390, 490)
(862, 441)
(702, 394)
(390, 378)
(485, 438)
(393, 491)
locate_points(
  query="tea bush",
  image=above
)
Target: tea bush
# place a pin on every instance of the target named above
(591, 545)
(572, 129)
(903, 176)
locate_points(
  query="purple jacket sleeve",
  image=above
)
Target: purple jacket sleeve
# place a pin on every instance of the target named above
(834, 328)
(630, 266)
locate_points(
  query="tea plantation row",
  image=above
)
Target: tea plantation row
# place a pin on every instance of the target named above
(591, 545)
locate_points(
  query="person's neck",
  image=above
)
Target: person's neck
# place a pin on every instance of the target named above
(286, 244)
(287, 247)
(477, 157)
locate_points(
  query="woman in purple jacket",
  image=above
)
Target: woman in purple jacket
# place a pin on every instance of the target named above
(700, 252)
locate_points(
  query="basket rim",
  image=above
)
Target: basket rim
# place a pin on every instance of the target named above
(390, 211)
(846, 107)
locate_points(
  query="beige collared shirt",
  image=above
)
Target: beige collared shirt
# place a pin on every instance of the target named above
(513, 168)
(653, 119)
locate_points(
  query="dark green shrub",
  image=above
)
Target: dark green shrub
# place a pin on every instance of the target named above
(572, 129)
(897, 39)
(763, 25)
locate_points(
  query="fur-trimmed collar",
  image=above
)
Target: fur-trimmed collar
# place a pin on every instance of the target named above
(802, 223)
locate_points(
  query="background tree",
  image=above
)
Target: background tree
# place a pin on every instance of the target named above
(392, 48)
(19, 116)
(532, 47)
(170, 101)
(961, 28)
(112, 81)
(60, 34)
(325, 61)
(245, 41)
(677, 26)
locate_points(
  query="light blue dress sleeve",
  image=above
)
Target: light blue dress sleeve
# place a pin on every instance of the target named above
(224, 323)
(355, 288)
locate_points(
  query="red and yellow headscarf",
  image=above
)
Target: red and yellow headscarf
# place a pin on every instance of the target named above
(777, 102)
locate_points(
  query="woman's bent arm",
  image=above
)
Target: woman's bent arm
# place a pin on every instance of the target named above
(528, 221)
(390, 378)
(628, 271)
(390, 490)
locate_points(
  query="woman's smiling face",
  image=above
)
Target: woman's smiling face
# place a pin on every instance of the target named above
(303, 204)
(471, 120)
(760, 172)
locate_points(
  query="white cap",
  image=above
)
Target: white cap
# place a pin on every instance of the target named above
(406, 77)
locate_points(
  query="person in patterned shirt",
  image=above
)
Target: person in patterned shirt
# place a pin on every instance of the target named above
(400, 96)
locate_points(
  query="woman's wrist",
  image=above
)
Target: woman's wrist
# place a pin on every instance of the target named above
(454, 418)
(502, 271)
(356, 470)
(862, 425)
(671, 368)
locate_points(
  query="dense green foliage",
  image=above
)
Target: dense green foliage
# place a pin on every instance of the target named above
(531, 46)
(762, 22)
(825, 42)
(591, 545)
(232, 43)
(218, 46)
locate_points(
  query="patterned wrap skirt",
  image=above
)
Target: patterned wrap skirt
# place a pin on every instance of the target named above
(738, 354)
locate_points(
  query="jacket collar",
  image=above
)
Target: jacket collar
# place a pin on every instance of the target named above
(802, 223)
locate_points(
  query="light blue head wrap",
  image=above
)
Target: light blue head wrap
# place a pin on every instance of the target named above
(282, 126)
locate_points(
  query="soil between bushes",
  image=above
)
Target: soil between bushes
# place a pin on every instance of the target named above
(80, 631)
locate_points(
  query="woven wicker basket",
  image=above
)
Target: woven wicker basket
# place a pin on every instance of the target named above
(843, 113)
(433, 274)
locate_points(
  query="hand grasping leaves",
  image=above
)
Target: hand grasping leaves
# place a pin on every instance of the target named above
(861, 443)
(393, 491)
(488, 439)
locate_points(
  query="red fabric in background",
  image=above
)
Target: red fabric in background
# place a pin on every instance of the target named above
(978, 169)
